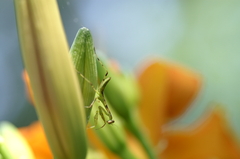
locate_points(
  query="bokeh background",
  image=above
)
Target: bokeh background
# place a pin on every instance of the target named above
(203, 35)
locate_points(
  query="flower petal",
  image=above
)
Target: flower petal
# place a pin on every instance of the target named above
(167, 91)
(208, 138)
(36, 138)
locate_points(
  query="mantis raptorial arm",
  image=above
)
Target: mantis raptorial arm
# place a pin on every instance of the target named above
(102, 111)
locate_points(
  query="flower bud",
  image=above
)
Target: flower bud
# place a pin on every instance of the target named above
(123, 95)
(84, 60)
(57, 97)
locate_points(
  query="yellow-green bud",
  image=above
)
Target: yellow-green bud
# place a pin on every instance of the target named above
(55, 86)
(123, 94)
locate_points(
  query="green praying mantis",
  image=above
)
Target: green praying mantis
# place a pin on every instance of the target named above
(100, 97)
(84, 58)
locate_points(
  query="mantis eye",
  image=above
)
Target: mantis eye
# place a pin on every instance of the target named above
(110, 121)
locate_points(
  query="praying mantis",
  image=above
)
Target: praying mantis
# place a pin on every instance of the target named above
(84, 56)
(100, 97)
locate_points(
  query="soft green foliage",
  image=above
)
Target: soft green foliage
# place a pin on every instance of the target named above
(12, 143)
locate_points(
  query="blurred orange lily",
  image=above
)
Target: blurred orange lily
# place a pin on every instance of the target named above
(167, 91)
(36, 138)
(207, 138)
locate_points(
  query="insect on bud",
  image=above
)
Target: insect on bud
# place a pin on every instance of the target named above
(84, 60)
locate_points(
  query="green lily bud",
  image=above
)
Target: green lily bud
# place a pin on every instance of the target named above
(84, 59)
(123, 94)
(123, 90)
(12, 143)
(58, 99)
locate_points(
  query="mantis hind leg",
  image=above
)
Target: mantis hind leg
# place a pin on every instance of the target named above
(101, 112)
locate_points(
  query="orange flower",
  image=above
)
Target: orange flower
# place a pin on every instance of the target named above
(210, 138)
(167, 90)
(36, 138)
(184, 85)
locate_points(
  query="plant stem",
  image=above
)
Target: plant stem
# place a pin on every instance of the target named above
(132, 125)
(126, 154)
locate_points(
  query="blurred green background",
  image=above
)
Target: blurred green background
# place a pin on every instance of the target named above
(203, 35)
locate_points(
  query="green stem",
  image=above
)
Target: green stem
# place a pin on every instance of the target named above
(132, 125)
(126, 154)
